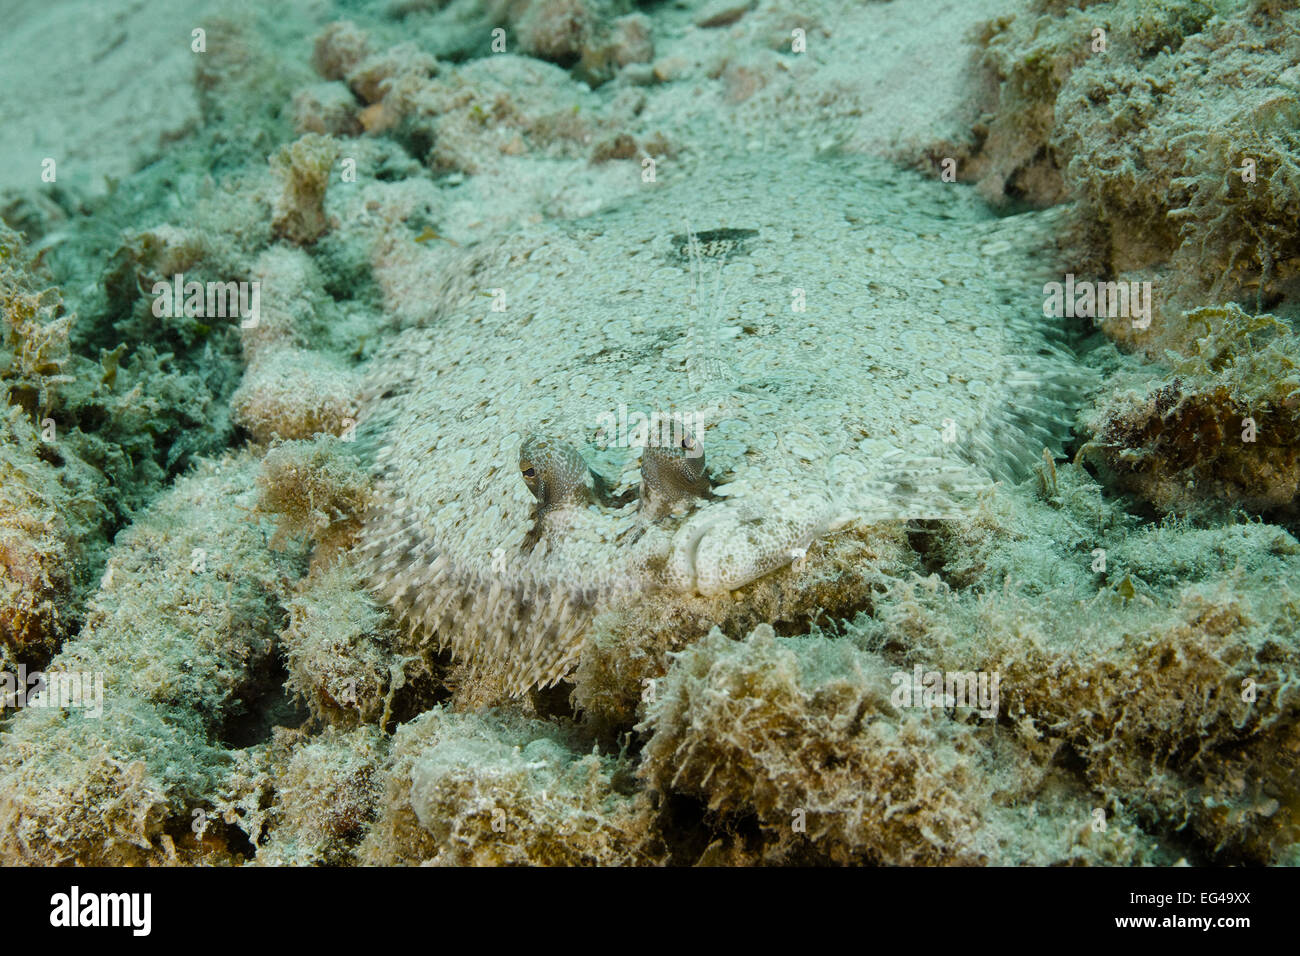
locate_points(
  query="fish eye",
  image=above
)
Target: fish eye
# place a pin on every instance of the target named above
(530, 472)
(687, 443)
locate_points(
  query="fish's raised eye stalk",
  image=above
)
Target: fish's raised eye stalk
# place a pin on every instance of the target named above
(555, 472)
(673, 473)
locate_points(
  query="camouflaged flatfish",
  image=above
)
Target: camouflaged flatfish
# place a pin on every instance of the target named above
(848, 343)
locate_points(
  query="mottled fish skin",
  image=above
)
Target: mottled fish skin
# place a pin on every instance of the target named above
(673, 474)
(711, 243)
(557, 476)
(877, 353)
(555, 472)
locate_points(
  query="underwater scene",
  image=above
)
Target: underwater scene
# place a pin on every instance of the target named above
(614, 433)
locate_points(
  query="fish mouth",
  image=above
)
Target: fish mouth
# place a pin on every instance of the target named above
(725, 546)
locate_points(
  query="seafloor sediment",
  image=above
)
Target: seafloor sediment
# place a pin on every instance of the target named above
(313, 612)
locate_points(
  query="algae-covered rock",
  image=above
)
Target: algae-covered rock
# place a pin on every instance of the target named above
(501, 790)
(292, 394)
(1219, 429)
(34, 334)
(805, 739)
(52, 517)
(1174, 122)
(557, 30)
(801, 750)
(303, 169)
(1163, 659)
(317, 489)
(305, 800)
(326, 109)
(52, 525)
(341, 652)
(177, 641)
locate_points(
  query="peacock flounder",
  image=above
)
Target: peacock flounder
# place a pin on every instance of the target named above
(836, 345)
